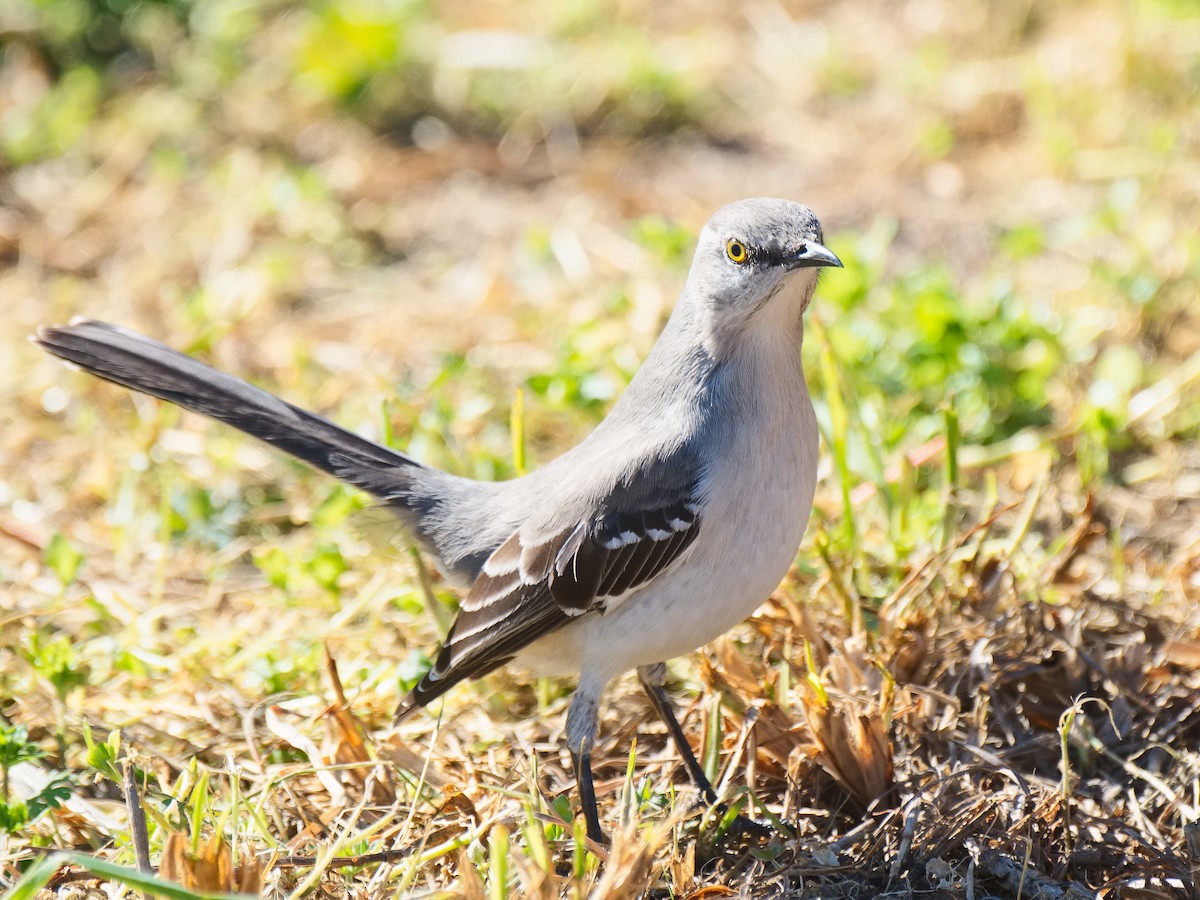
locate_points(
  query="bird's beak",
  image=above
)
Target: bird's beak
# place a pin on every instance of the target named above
(812, 255)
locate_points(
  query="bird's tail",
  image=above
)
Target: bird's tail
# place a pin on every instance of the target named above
(145, 365)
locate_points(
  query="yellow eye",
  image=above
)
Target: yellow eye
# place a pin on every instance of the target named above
(736, 251)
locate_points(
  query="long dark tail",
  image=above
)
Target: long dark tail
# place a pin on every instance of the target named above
(137, 362)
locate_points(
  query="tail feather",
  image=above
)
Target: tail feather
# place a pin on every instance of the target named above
(145, 365)
(441, 511)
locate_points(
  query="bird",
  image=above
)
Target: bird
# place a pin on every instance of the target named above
(660, 531)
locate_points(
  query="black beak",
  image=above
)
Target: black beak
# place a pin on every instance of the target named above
(811, 256)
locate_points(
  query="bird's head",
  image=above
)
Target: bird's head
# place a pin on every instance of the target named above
(756, 266)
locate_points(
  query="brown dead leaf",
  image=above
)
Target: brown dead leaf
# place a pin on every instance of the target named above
(470, 885)
(286, 731)
(1182, 653)
(812, 634)
(629, 863)
(346, 742)
(1085, 529)
(211, 869)
(851, 670)
(683, 869)
(456, 802)
(397, 752)
(910, 656)
(346, 731)
(776, 736)
(852, 747)
(850, 726)
(248, 877)
(737, 672)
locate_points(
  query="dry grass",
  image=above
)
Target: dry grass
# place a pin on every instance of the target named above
(988, 689)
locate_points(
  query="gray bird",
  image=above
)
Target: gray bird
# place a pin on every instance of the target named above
(663, 529)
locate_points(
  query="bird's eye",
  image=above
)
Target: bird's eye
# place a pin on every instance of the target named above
(736, 251)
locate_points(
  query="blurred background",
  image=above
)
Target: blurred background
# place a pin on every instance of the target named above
(517, 185)
(1015, 185)
(458, 226)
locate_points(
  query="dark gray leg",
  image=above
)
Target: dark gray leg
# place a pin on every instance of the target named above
(581, 735)
(652, 678)
(582, 763)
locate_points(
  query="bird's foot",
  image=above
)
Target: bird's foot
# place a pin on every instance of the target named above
(725, 823)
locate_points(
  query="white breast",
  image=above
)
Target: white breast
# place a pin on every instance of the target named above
(759, 496)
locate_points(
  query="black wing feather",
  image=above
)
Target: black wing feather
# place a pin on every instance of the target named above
(615, 568)
(520, 596)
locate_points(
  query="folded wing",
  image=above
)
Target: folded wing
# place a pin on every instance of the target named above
(532, 586)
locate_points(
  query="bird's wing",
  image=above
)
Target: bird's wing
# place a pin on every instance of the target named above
(531, 586)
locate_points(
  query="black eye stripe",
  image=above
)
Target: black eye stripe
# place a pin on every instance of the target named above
(759, 256)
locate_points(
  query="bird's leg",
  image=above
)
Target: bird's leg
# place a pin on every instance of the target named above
(653, 678)
(582, 763)
(582, 719)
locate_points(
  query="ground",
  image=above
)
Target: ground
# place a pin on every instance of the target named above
(458, 227)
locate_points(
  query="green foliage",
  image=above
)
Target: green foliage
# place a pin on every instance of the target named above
(288, 668)
(326, 564)
(1103, 417)
(273, 194)
(364, 55)
(72, 32)
(56, 123)
(56, 661)
(588, 373)
(62, 557)
(936, 140)
(338, 505)
(390, 63)
(627, 83)
(459, 397)
(1023, 241)
(36, 877)
(275, 563)
(671, 243)
(44, 869)
(413, 668)
(498, 863)
(15, 815)
(103, 757)
(914, 339)
(15, 747)
(201, 514)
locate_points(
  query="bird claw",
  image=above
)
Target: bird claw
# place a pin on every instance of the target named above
(748, 827)
(720, 827)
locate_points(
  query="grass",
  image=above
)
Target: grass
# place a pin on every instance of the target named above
(458, 228)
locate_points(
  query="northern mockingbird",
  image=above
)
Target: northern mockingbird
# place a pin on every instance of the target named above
(663, 529)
